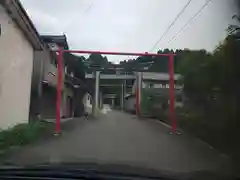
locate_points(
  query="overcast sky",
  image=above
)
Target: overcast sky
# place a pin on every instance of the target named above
(131, 25)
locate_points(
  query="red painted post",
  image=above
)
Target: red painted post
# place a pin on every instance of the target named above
(171, 92)
(59, 91)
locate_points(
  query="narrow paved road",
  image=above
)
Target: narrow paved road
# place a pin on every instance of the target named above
(119, 138)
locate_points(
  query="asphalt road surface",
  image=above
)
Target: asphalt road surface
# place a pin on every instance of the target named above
(120, 138)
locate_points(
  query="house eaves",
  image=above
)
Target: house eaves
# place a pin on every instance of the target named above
(60, 40)
(16, 11)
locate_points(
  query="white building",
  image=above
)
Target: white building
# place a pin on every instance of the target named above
(18, 41)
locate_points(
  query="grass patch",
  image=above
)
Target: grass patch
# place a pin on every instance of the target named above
(23, 134)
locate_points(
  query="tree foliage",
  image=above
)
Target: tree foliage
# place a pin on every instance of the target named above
(211, 84)
(150, 63)
(96, 61)
(75, 64)
(211, 89)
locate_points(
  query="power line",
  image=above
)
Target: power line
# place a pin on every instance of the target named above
(192, 19)
(174, 21)
(89, 8)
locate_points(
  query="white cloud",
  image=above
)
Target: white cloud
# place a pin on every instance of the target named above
(44, 22)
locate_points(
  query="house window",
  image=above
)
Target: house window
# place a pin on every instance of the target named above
(158, 86)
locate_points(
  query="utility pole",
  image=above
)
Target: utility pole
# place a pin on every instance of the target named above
(97, 82)
(139, 91)
(124, 88)
(122, 96)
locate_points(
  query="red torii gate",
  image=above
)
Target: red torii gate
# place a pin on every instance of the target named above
(171, 82)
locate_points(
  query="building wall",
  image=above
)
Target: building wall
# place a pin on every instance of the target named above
(38, 69)
(48, 102)
(67, 102)
(163, 84)
(45, 71)
(155, 80)
(129, 104)
(16, 61)
(36, 86)
(50, 72)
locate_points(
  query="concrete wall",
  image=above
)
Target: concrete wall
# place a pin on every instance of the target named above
(67, 94)
(129, 104)
(36, 86)
(49, 72)
(16, 61)
(147, 84)
(38, 69)
(48, 102)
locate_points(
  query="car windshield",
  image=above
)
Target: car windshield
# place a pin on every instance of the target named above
(152, 84)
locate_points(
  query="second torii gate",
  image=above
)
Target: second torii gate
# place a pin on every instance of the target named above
(60, 52)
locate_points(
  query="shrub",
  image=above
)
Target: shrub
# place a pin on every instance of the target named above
(23, 134)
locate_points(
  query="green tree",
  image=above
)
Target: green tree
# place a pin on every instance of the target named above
(211, 82)
(75, 64)
(150, 63)
(97, 60)
(234, 29)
